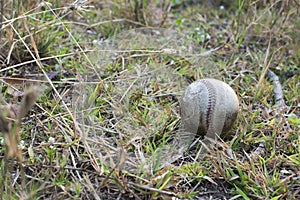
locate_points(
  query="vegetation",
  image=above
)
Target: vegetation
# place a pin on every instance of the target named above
(106, 78)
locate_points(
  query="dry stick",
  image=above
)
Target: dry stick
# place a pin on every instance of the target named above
(260, 150)
(278, 93)
(36, 166)
(279, 102)
(153, 189)
(42, 59)
(1, 17)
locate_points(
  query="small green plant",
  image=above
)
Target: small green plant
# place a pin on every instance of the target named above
(114, 141)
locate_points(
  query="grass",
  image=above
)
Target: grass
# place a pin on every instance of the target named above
(107, 124)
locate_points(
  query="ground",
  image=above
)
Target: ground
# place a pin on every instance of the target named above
(90, 105)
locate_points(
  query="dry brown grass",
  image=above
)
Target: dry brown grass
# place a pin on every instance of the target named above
(107, 124)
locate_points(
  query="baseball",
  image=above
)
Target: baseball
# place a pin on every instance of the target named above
(209, 107)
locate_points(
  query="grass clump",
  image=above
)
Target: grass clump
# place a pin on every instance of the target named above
(107, 125)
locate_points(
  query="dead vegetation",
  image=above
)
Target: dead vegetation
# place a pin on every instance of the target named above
(106, 123)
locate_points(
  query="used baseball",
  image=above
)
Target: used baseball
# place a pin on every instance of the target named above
(209, 107)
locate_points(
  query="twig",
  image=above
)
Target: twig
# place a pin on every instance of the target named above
(146, 187)
(279, 102)
(1, 17)
(42, 59)
(278, 93)
(64, 168)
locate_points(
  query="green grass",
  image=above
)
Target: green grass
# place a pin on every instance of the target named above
(108, 124)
